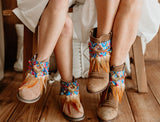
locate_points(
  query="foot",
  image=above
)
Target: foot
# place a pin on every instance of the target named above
(31, 89)
(99, 49)
(70, 101)
(110, 98)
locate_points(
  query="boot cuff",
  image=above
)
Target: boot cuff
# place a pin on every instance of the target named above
(102, 38)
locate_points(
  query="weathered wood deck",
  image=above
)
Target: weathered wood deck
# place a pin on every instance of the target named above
(134, 106)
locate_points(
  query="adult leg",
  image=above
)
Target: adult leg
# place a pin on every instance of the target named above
(106, 11)
(99, 46)
(51, 25)
(124, 34)
(125, 29)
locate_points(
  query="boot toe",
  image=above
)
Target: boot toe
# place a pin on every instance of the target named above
(30, 93)
(73, 113)
(107, 113)
(96, 85)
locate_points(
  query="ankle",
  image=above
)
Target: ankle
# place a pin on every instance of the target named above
(117, 75)
(117, 68)
(67, 80)
(101, 31)
(116, 63)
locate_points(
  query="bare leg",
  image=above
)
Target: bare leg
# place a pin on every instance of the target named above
(63, 51)
(125, 29)
(51, 25)
(100, 52)
(124, 33)
(106, 11)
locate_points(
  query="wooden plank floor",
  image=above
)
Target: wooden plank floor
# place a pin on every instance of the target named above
(134, 106)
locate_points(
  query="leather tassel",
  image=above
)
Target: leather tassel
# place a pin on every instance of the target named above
(72, 101)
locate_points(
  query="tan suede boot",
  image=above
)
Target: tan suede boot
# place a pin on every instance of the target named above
(70, 101)
(36, 80)
(110, 98)
(99, 49)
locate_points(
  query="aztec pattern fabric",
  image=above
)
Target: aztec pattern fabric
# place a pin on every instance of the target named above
(38, 68)
(99, 55)
(117, 83)
(69, 88)
(37, 72)
(70, 97)
(100, 51)
(104, 48)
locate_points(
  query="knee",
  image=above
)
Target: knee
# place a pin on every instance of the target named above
(59, 4)
(132, 6)
(68, 26)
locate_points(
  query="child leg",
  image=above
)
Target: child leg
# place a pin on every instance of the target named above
(100, 46)
(70, 98)
(124, 33)
(125, 29)
(63, 51)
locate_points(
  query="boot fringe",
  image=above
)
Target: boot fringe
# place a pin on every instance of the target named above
(32, 81)
(71, 100)
(118, 91)
(96, 63)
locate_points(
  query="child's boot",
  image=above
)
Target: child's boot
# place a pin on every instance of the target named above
(100, 50)
(70, 101)
(108, 108)
(36, 80)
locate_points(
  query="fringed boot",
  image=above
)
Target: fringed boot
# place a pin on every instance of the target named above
(100, 50)
(110, 98)
(70, 101)
(36, 80)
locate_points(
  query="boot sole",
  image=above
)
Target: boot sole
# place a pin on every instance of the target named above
(27, 101)
(74, 119)
(101, 120)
